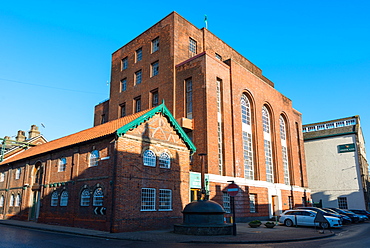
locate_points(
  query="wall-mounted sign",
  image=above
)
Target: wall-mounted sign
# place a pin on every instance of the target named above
(195, 180)
(346, 148)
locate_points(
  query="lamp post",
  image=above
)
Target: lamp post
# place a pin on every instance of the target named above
(202, 177)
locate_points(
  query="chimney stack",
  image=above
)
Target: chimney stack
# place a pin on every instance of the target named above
(34, 132)
(20, 137)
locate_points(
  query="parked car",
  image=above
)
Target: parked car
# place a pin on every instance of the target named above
(361, 211)
(325, 213)
(345, 219)
(354, 217)
(302, 217)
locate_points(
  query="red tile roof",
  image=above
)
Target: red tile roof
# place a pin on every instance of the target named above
(76, 138)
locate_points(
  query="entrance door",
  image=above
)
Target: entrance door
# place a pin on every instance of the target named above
(34, 211)
(275, 205)
(36, 189)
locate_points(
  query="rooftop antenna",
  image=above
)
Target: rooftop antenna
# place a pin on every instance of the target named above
(206, 21)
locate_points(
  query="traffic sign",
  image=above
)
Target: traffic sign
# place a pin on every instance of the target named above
(100, 210)
(233, 189)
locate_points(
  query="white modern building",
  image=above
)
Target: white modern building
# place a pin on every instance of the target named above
(337, 169)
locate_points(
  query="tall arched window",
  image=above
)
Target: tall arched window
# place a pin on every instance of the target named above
(94, 158)
(64, 198)
(85, 198)
(284, 150)
(164, 160)
(247, 138)
(149, 158)
(1, 201)
(62, 164)
(98, 197)
(267, 145)
(54, 199)
(11, 202)
(17, 200)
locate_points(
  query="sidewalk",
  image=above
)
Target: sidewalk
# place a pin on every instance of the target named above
(245, 234)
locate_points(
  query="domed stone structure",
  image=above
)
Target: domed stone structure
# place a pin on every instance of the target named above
(203, 217)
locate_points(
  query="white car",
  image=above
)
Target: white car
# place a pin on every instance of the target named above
(301, 217)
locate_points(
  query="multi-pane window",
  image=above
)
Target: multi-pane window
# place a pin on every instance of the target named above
(138, 77)
(189, 98)
(290, 201)
(122, 109)
(139, 54)
(64, 198)
(164, 160)
(192, 46)
(137, 101)
(1, 201)
(62, 164)
(85, 198)
(149, 158)
(219, 126)
(248, 156)
(17, 200)
(147, 199)
(268, 161)
(155, 45)
(342, 202)
(123, 84)
(155, 68)
(226, 202)
(253, 203)
(247, 137)
(18, 173)
(265, 120)
(124, 64)
(165, 199)
(284, 150)
(246, 110)
(54, 199)
(98, 197)
(155, 100)
(94, 158)
(267, 145)
(2, 177)
(11, 202)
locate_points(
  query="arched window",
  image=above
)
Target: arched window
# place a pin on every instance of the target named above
(149, 158)
(18, 173)
(94, 158)
(2, 177)
(17, 200)
(85, 198)
(1, 201)
(165, 160)
(247, 138)
(284, 150)
(62, 164)
(267, 145)
(11, 202)
(54, 199)
(98, 197)
(64, 198)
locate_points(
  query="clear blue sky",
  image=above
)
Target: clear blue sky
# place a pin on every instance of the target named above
(55, 55)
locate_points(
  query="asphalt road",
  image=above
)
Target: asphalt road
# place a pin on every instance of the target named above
(356, 235)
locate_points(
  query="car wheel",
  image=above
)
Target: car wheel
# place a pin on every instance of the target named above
(288, 222)
(324, 225)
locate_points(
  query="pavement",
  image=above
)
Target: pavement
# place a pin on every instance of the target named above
(245, 234)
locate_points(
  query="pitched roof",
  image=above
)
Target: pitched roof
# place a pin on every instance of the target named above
(119, 126)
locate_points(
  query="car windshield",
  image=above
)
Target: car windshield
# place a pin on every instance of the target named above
(349, 212)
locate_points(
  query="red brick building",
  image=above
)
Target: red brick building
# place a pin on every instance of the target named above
(249, 131)
(129, 174)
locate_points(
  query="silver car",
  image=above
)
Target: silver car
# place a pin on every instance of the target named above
(301, 217)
